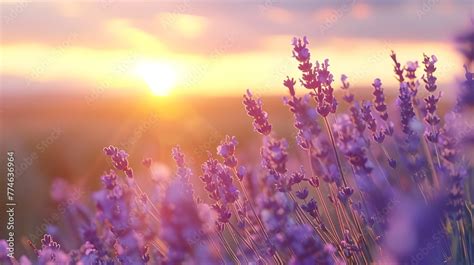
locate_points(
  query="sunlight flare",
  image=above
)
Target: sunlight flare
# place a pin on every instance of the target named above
(160, 77)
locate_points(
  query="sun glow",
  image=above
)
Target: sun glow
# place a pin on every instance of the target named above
(160, 77)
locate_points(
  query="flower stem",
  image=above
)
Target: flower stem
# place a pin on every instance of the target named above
(333, 142)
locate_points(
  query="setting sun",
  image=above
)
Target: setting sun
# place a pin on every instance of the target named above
(159, 77)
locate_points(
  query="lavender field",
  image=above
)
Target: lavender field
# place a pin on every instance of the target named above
(311, 165)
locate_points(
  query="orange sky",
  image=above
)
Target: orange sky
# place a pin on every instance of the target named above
(216, 48)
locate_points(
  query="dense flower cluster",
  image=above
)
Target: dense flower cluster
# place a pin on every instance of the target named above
(389, 194)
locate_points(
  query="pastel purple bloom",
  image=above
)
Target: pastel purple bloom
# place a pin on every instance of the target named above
(397, 67)
(227, 151)
(302, 194)
(119, 160)
(379, 99)
(406, 108)
(467, 89)
(305, 121)
(348, 96)
(254, 109)
(274, 154)
(308, 248)
(241, 172)
(182, 228)
(318, 78)
(300, 51)
(311, 208)
(430, 68)
(290, 84)
(367, 116)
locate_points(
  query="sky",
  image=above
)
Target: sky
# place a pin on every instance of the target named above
(217, 48)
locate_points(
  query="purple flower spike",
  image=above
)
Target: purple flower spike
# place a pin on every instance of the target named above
(318, 78)
(397, 67)
(227, 150)
(411, 69)
(357, 118)
(274, 154)
(178, 156)
(183, 172)
(379, 136)
(290, 84)
(379, 99)
(119, 160)
(351, 145)
(302, 194)
(254, 109)
(311, 208)
(348, 96)
(241, 172)
(300, 52)
(467, 89)
(308, 248)
(218, 183)
(392, 162)
(344, 193)
(430, 68)
(367, 116)
(305, 121)
(412, 81)
(183, 228)
(406, 108)
(431, 101)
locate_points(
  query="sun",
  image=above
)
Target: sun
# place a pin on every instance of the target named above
(160, 77)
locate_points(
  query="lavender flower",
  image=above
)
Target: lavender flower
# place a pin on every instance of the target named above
(317, 78)
(182, 228)
(51, 253)
(348, 244)
(410, 69)
(311, 208)
(406, 108)
(357, 118)
(467, 89)
(350, 144)
(348, 96)
(431, 118)
(119, 160)
(367, 116)
(302, 194)
(305, 121)
(274, 154)
(300, 51)
(307, 247)
(254, 109)
(183, 172)
(290, 84)
(430, 68)
(227, 150)
(379, 99)
(397, 68)
(218, 181)
(4, 253)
